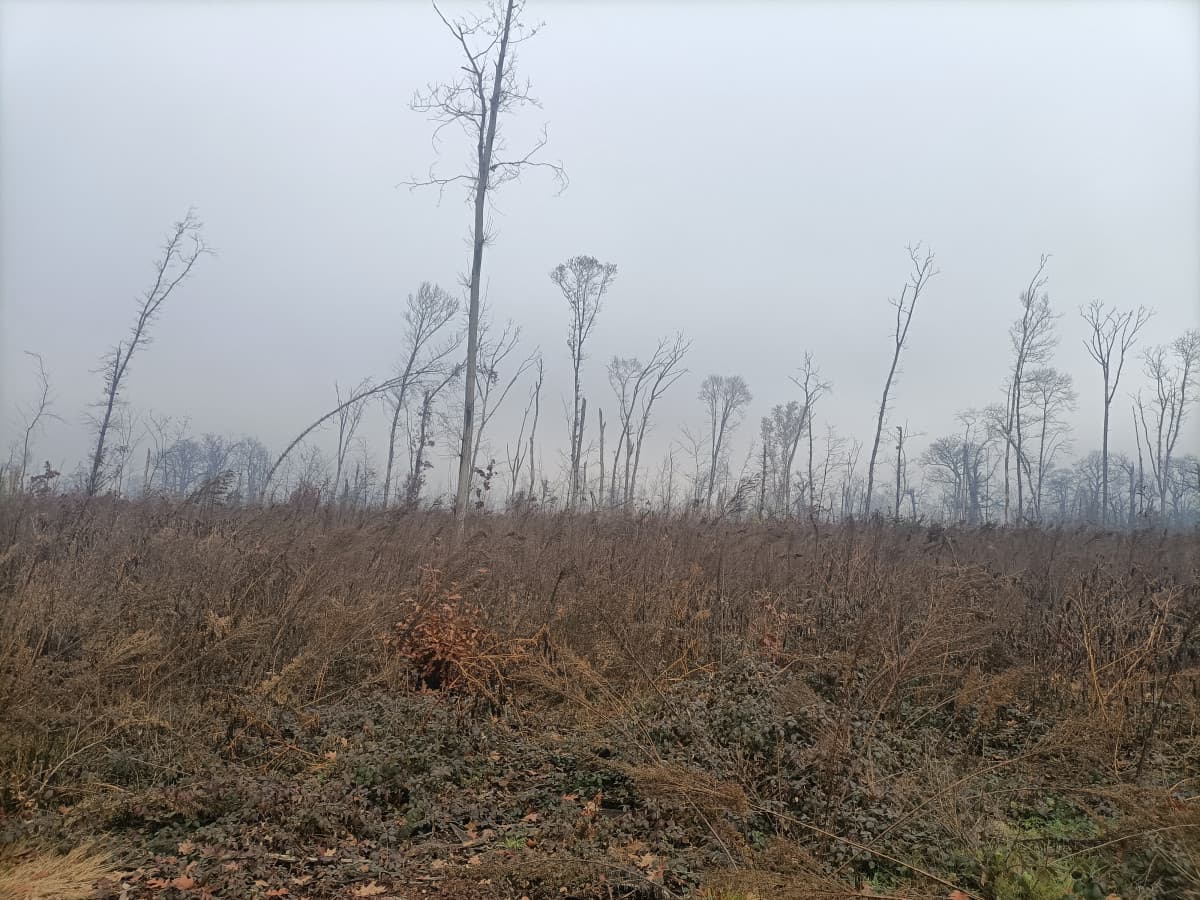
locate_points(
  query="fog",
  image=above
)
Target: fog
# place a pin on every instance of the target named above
(754, 170)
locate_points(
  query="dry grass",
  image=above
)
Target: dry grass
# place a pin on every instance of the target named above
(139, 629)
(52, 876)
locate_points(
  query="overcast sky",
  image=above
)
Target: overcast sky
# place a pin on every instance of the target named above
(755, 171)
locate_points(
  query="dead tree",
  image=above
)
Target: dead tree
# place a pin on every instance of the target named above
(637, 388)
(349, 417)
(903, 435)
(184, 246)
(1032, 338)
(667, 366)
(813, 388)
(1112, 333)
(421, 442)
(34, 420)
(583, 281)
(1173, 372)
(486, 90)
(922, 272)
(781, 433)
(1051, 396)
(524, 450)
(626, 376)
(492, 390)
(725, 399)
(427, 313)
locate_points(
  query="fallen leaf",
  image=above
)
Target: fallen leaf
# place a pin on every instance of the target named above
(182, 883)
(186, 847)
(531, 817)
(278, 892)
(370, 889)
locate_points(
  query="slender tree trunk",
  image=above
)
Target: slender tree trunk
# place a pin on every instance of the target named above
(391, 456)
(762, 484)
(1104, 455)
(812, 484)
(600, 413)
(93, 483)
(887, 387)
(487, 140)
(899, 463)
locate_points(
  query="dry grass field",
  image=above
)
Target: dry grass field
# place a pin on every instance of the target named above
(198, 701)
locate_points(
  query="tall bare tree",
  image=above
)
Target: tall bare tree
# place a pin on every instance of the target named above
(725, 399)
(184, 246)
(906, 305)
(1112, 333)
(1033, 340)
(583, 281)
(486, 90)
(1173, 371)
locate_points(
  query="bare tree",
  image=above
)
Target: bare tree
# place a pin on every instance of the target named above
(903, 488)
(636, 387)
(184, 246)
(667, 366)
(833, 450)
(626, 375)
(1112, 333)
(781, 432)
(906, 305)
(492, 390)
(725, 399)
(349, 417)
(1173, 373)
(584, 281)
(525, 450)
(34, 421)
(814, 388)
(252, 460)
(1032, 338)
(421, 440)
(486, 90)
(426, 314)
(1052, 396)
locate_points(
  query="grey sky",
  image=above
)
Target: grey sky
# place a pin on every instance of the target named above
(755, 170)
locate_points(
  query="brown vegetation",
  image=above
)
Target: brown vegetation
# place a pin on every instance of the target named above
(231, 702)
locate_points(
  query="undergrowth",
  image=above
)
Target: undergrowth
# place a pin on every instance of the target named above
(230, 702)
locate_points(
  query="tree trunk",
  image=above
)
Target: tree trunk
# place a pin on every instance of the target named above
(487, 140)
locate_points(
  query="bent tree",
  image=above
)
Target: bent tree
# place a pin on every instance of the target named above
(184, 246)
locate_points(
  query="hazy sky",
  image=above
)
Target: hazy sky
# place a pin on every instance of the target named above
(755, 170)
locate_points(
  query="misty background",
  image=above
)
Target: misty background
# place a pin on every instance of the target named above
(754, 170)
